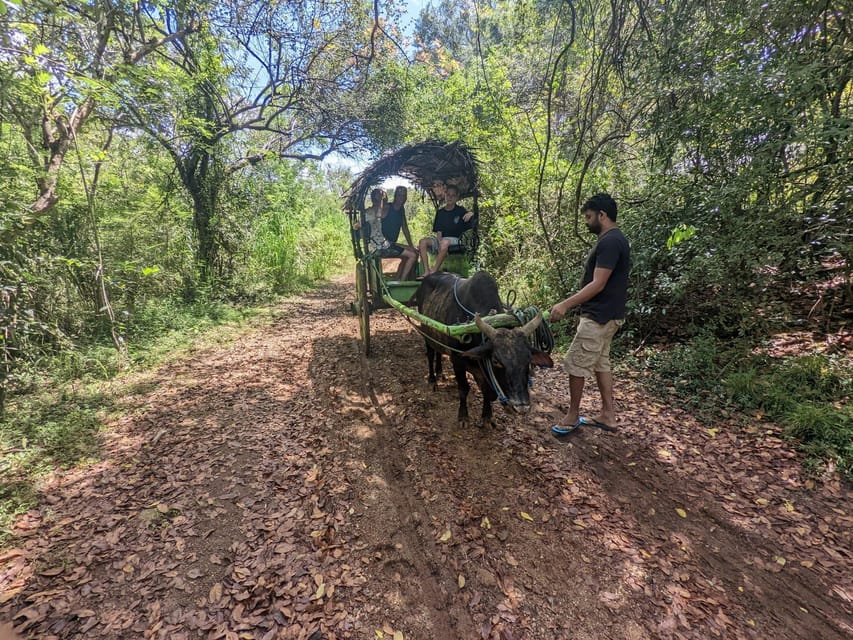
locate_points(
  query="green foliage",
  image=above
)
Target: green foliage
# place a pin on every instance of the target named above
(825, 433)
(721, 129)
(282, 229)
(680, 233)
(738, 124)
(778, 386)
(385, 104)
(163, 324)
(807, 394)
(298, 235)
(693, 369)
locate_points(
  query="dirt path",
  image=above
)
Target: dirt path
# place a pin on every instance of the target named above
(285, 487)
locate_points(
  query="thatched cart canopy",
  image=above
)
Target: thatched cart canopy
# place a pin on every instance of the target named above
(429, 165)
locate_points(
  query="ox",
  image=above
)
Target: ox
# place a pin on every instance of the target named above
(449, 299)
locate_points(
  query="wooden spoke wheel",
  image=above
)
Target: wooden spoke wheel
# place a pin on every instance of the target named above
(363, 306)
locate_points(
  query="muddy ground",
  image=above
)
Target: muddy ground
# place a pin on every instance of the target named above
(287, 487)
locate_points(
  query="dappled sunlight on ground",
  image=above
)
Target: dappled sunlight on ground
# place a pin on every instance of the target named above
(284, 486)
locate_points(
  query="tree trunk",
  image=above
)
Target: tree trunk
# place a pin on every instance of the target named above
(203, 178)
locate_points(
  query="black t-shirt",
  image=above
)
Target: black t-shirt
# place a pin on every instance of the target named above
(450, 223)
(392, 223)
(612, 251)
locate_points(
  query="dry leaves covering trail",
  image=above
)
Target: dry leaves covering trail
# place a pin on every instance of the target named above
(285, 487)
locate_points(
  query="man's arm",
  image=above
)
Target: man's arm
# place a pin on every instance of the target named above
(406, 233)
(599, 278)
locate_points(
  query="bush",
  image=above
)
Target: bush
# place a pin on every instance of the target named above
(777, 386)
(694, 367)
(825, 433)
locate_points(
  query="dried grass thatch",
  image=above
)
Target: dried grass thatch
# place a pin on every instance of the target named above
(429, 165)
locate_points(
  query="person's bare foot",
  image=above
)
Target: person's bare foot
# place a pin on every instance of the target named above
(609, 420)
(567, 420)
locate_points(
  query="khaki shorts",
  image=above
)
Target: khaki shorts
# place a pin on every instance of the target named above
(590, 350)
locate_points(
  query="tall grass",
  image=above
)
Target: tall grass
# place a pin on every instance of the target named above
(299, 236)
(809, 396)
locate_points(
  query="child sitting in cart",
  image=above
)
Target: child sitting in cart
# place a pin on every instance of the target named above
(377, 242)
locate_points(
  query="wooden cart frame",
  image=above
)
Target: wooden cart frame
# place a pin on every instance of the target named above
(430, 166)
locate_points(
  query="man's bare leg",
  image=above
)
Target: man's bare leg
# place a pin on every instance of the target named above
(576, 384)
(442, 254)
(605, 388)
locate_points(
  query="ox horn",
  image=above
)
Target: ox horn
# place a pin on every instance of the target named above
(532, 326)
(487, 330)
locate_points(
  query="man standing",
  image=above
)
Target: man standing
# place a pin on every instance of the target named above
(601, 300)
(450, 222)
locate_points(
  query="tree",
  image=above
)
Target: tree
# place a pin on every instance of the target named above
(746, 141)
(252, 82)
(55, 59)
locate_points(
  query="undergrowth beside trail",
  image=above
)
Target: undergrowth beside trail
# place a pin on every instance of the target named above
(55, 419)
(808, 395)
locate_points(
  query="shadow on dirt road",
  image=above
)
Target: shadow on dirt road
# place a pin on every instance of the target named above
(287, 487)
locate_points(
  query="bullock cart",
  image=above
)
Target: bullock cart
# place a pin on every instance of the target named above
(430, 166)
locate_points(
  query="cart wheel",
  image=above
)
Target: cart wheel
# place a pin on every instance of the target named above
(363, 306)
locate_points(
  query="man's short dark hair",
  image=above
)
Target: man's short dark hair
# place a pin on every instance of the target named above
(601, 202)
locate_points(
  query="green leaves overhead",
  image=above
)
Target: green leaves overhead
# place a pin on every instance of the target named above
(731, 119)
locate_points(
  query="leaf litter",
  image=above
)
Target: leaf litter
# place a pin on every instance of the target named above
(246, 497)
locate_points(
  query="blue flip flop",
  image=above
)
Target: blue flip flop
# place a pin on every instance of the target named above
(589, 422)
(558, 430)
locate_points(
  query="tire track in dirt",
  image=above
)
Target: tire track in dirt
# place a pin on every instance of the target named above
(409, 549)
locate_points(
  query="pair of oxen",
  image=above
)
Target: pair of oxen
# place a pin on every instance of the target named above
(501, 363)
